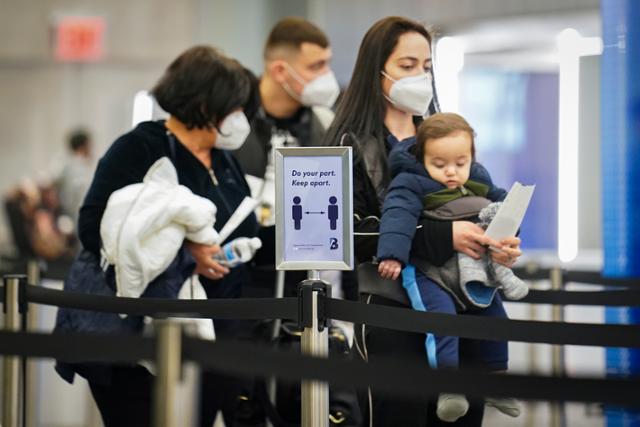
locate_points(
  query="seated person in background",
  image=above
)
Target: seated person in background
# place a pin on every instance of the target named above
(438, 170)
(39, 228)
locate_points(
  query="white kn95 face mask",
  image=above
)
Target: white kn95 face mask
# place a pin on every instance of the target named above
(321, 91)
(411, 94)
(234, 130)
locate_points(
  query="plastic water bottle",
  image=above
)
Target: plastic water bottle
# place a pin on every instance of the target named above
(238, 251)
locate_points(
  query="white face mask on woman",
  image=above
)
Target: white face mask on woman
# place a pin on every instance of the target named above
(411, 94)
(234, 130)
(321, 91)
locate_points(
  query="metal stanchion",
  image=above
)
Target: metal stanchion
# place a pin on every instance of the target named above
(558, 418)
(168, 365)
(11, 364)
(272, 385)
(30, 382)
(315, 342)
(279, 293)
(534, 350)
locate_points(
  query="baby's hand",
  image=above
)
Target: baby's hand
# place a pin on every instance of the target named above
(389, 269)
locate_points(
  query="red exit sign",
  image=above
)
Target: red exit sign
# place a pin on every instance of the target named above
(79, 38)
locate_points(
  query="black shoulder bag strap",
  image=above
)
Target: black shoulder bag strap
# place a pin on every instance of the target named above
(171, 138)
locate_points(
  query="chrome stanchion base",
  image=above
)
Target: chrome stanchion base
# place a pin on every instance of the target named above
(11, 364)
(315, 342)
(168, 366)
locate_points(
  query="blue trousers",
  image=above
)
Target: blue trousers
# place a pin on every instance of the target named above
(443, 351)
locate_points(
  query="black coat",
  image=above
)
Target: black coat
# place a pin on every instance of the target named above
(128, 160)
(254, 153)
(371, 179)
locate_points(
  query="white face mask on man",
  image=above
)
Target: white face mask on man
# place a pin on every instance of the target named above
(321, 91)
(234, 130)
(411, 94)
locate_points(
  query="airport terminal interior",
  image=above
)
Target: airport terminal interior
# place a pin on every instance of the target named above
(528, 76)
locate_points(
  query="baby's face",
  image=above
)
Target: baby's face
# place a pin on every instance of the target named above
(448, 159)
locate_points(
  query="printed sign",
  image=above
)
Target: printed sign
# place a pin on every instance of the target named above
(314, 208)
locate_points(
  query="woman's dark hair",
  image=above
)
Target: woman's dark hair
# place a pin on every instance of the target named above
(202, 86)
(361, 110)
(438, 126)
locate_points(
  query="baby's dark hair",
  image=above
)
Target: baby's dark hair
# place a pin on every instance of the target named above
(440, 125)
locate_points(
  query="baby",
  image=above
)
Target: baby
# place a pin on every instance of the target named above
(436, 176)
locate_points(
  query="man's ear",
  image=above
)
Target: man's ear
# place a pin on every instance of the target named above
(277, 69)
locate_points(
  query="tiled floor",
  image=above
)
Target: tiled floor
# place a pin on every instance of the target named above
(534, 415)
(538, 415)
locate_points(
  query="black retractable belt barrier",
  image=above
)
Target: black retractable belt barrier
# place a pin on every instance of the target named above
(268, 308)
(482, 327)
(241, 308)
(398, 377)
(532, 273)
(404, 377)
(624, 298)
(569, 276)
(79, 347)
(467, 326)
(596, 278)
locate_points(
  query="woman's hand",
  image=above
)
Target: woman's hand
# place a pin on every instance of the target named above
(389, 269)
(509, 252)
(205, 264)
(470, 239)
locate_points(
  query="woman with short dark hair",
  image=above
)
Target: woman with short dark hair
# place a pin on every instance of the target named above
(204, 93)
(201, 87)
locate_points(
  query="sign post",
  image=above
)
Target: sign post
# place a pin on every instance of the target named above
(314, 231)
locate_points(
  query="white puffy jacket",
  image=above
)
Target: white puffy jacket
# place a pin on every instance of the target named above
(145, 224)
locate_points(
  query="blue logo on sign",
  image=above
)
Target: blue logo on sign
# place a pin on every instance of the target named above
(333, 243)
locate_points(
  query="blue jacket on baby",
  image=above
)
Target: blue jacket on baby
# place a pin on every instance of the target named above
(403, 204)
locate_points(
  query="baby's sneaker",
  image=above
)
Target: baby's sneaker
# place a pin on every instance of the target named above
(451, 407)
(506, 405)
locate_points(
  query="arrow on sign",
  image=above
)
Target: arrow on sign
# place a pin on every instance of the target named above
(321, 212)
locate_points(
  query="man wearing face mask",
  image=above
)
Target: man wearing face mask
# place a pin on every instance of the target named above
(297, 91)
